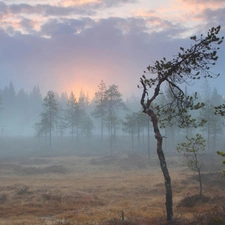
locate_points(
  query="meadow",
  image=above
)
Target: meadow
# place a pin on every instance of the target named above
(103, 189)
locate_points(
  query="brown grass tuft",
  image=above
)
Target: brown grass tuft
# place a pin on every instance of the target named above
(214, 216)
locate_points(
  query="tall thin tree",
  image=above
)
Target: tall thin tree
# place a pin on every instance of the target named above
(48, 115)
(100, 100)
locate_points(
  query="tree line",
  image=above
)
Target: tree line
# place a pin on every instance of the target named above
(107, 116)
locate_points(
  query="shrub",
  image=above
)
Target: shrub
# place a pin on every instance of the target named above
(190, 201)
(3, 198)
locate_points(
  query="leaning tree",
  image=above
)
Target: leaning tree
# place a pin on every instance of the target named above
(188, 65)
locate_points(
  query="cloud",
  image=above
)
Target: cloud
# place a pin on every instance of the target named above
(65, 8)
(65, 53)
(100, 49)
(96, 3)
(216, 16)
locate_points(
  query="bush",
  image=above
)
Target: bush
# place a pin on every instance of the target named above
(190, 201)
(3, 198)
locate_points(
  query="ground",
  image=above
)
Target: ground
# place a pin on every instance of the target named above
(96, 189)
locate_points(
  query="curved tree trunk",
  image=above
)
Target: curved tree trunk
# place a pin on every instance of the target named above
(159, 138)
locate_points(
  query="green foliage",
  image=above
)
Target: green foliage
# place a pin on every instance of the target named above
(220, 110)
(191, 149)
(188, 65)
(169, 114)
(223, 155)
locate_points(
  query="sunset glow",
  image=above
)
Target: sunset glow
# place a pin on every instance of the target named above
(69, 45)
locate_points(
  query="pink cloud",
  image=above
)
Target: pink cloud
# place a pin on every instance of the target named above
(67, 3)
(198, 6)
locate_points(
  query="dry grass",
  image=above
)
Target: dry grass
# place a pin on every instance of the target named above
(88, 190)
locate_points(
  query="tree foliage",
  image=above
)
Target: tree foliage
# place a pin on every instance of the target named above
(190, 64)
(113, 103)
(71, 113)
(48, 116)
(191, 151)
(100, 100)
(187, 66)
(223, 155)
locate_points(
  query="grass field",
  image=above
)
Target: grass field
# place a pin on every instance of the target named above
(95, 190)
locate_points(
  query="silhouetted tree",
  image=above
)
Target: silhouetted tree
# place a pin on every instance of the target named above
(71, 114)
(113, 102)
(100, 100)
(87, 126)
(212, 127)
(188, 65)
(35, 103)
(48, 115)
(130, 126)
(61, 124)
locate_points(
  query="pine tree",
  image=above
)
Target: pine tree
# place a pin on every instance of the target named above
(70, 114)
(130, 126)
(113, 102)
(100, 101)
(191, 150)
(48, 116)
(188, 65)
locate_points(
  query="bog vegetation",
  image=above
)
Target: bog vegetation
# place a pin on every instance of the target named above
(68, 159)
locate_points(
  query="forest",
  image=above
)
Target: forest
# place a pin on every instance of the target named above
(107, 118)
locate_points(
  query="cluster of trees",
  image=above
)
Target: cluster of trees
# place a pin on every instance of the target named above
(56, 118)
(74, 117)
(79, 118)
(19, 110)
(28, 113)
(106, 117)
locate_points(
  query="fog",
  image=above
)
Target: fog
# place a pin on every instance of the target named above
(66, 160)
(128, 130)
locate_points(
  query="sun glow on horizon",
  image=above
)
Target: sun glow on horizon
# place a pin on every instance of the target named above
(80, 89)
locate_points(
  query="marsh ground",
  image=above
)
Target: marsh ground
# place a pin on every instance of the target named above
(92, 189)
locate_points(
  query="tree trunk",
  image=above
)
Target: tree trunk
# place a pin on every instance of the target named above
(159, 138)
(148, 140)
(102, 131)
(50, 137)
(200, 182)
(132, 138)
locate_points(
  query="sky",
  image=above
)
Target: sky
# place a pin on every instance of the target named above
(71, 45)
